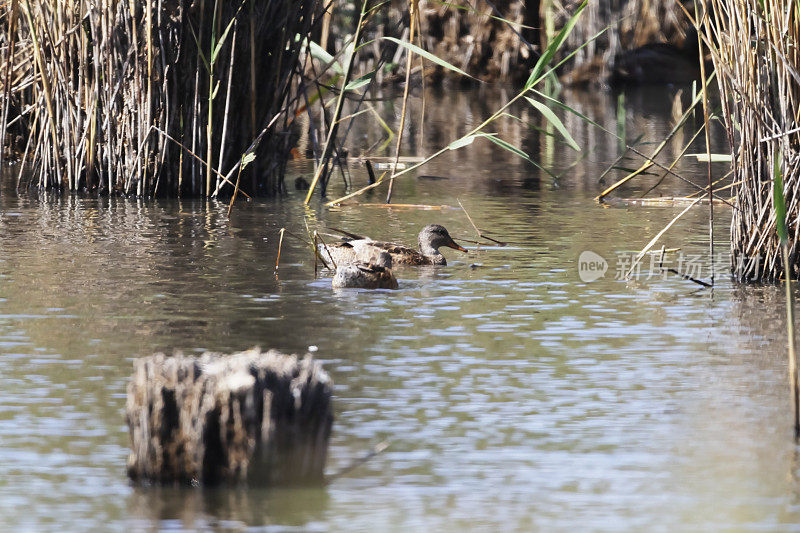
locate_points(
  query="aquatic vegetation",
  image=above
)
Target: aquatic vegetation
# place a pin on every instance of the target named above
(753, 46)
(153, 98)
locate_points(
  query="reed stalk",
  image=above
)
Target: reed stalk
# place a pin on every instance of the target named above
(14, 8)
(96, 81)
(334, 121)
(753, 45)
(706, 129)
(413, 6)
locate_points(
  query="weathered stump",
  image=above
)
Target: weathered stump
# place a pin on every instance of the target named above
(255, 417)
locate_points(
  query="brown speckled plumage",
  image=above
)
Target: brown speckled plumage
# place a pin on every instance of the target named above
(364, 276)
(430, 239)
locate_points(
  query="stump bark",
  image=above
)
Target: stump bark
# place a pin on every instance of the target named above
(251, 417)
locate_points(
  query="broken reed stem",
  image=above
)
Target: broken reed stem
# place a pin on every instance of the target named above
(225, 179)
(280, 244)
(477, 231)
(610, 167)
(409, 58)
(480, 234)
(655, 239)
(316, 254)
(675, 160)
(324, 245)
(716, 182)
(378, 449)
(478, 243)
(706, 123)
(235, 190)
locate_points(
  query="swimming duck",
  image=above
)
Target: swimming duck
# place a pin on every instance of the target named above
(370, 271)
(430, 239)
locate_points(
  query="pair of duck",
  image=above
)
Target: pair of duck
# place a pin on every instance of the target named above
(366, 264)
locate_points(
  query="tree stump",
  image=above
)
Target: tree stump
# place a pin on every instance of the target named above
(251, 417)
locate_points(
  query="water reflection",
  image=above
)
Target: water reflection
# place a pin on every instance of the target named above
(235, 508)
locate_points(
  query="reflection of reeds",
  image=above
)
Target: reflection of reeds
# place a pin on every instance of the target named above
(754, 48)
(105, 92)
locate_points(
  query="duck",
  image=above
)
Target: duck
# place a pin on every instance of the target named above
(370, 271)
(431, 238)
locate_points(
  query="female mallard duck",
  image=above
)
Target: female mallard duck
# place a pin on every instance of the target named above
(370, 271)
(431, 238)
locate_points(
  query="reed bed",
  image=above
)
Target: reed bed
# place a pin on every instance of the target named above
(162, 97)
(754, 49)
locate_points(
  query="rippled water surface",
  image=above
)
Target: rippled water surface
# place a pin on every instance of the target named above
(514, 395)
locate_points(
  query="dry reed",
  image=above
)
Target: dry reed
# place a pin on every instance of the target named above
(754, 49)
(152, 98)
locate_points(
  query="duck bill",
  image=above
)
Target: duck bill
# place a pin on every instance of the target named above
(452, 244)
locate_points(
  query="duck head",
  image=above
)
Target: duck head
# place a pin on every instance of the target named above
(434, 236)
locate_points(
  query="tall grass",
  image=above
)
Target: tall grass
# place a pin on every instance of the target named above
(154, 97)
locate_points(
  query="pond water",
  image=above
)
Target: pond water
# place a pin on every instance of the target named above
(515, 396)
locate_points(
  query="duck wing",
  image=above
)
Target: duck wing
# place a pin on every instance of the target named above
(401, 254)
(377, 276)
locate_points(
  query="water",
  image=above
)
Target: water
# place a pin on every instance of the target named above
(514, 395)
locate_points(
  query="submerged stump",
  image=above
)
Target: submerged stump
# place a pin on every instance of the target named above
(255, 417)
